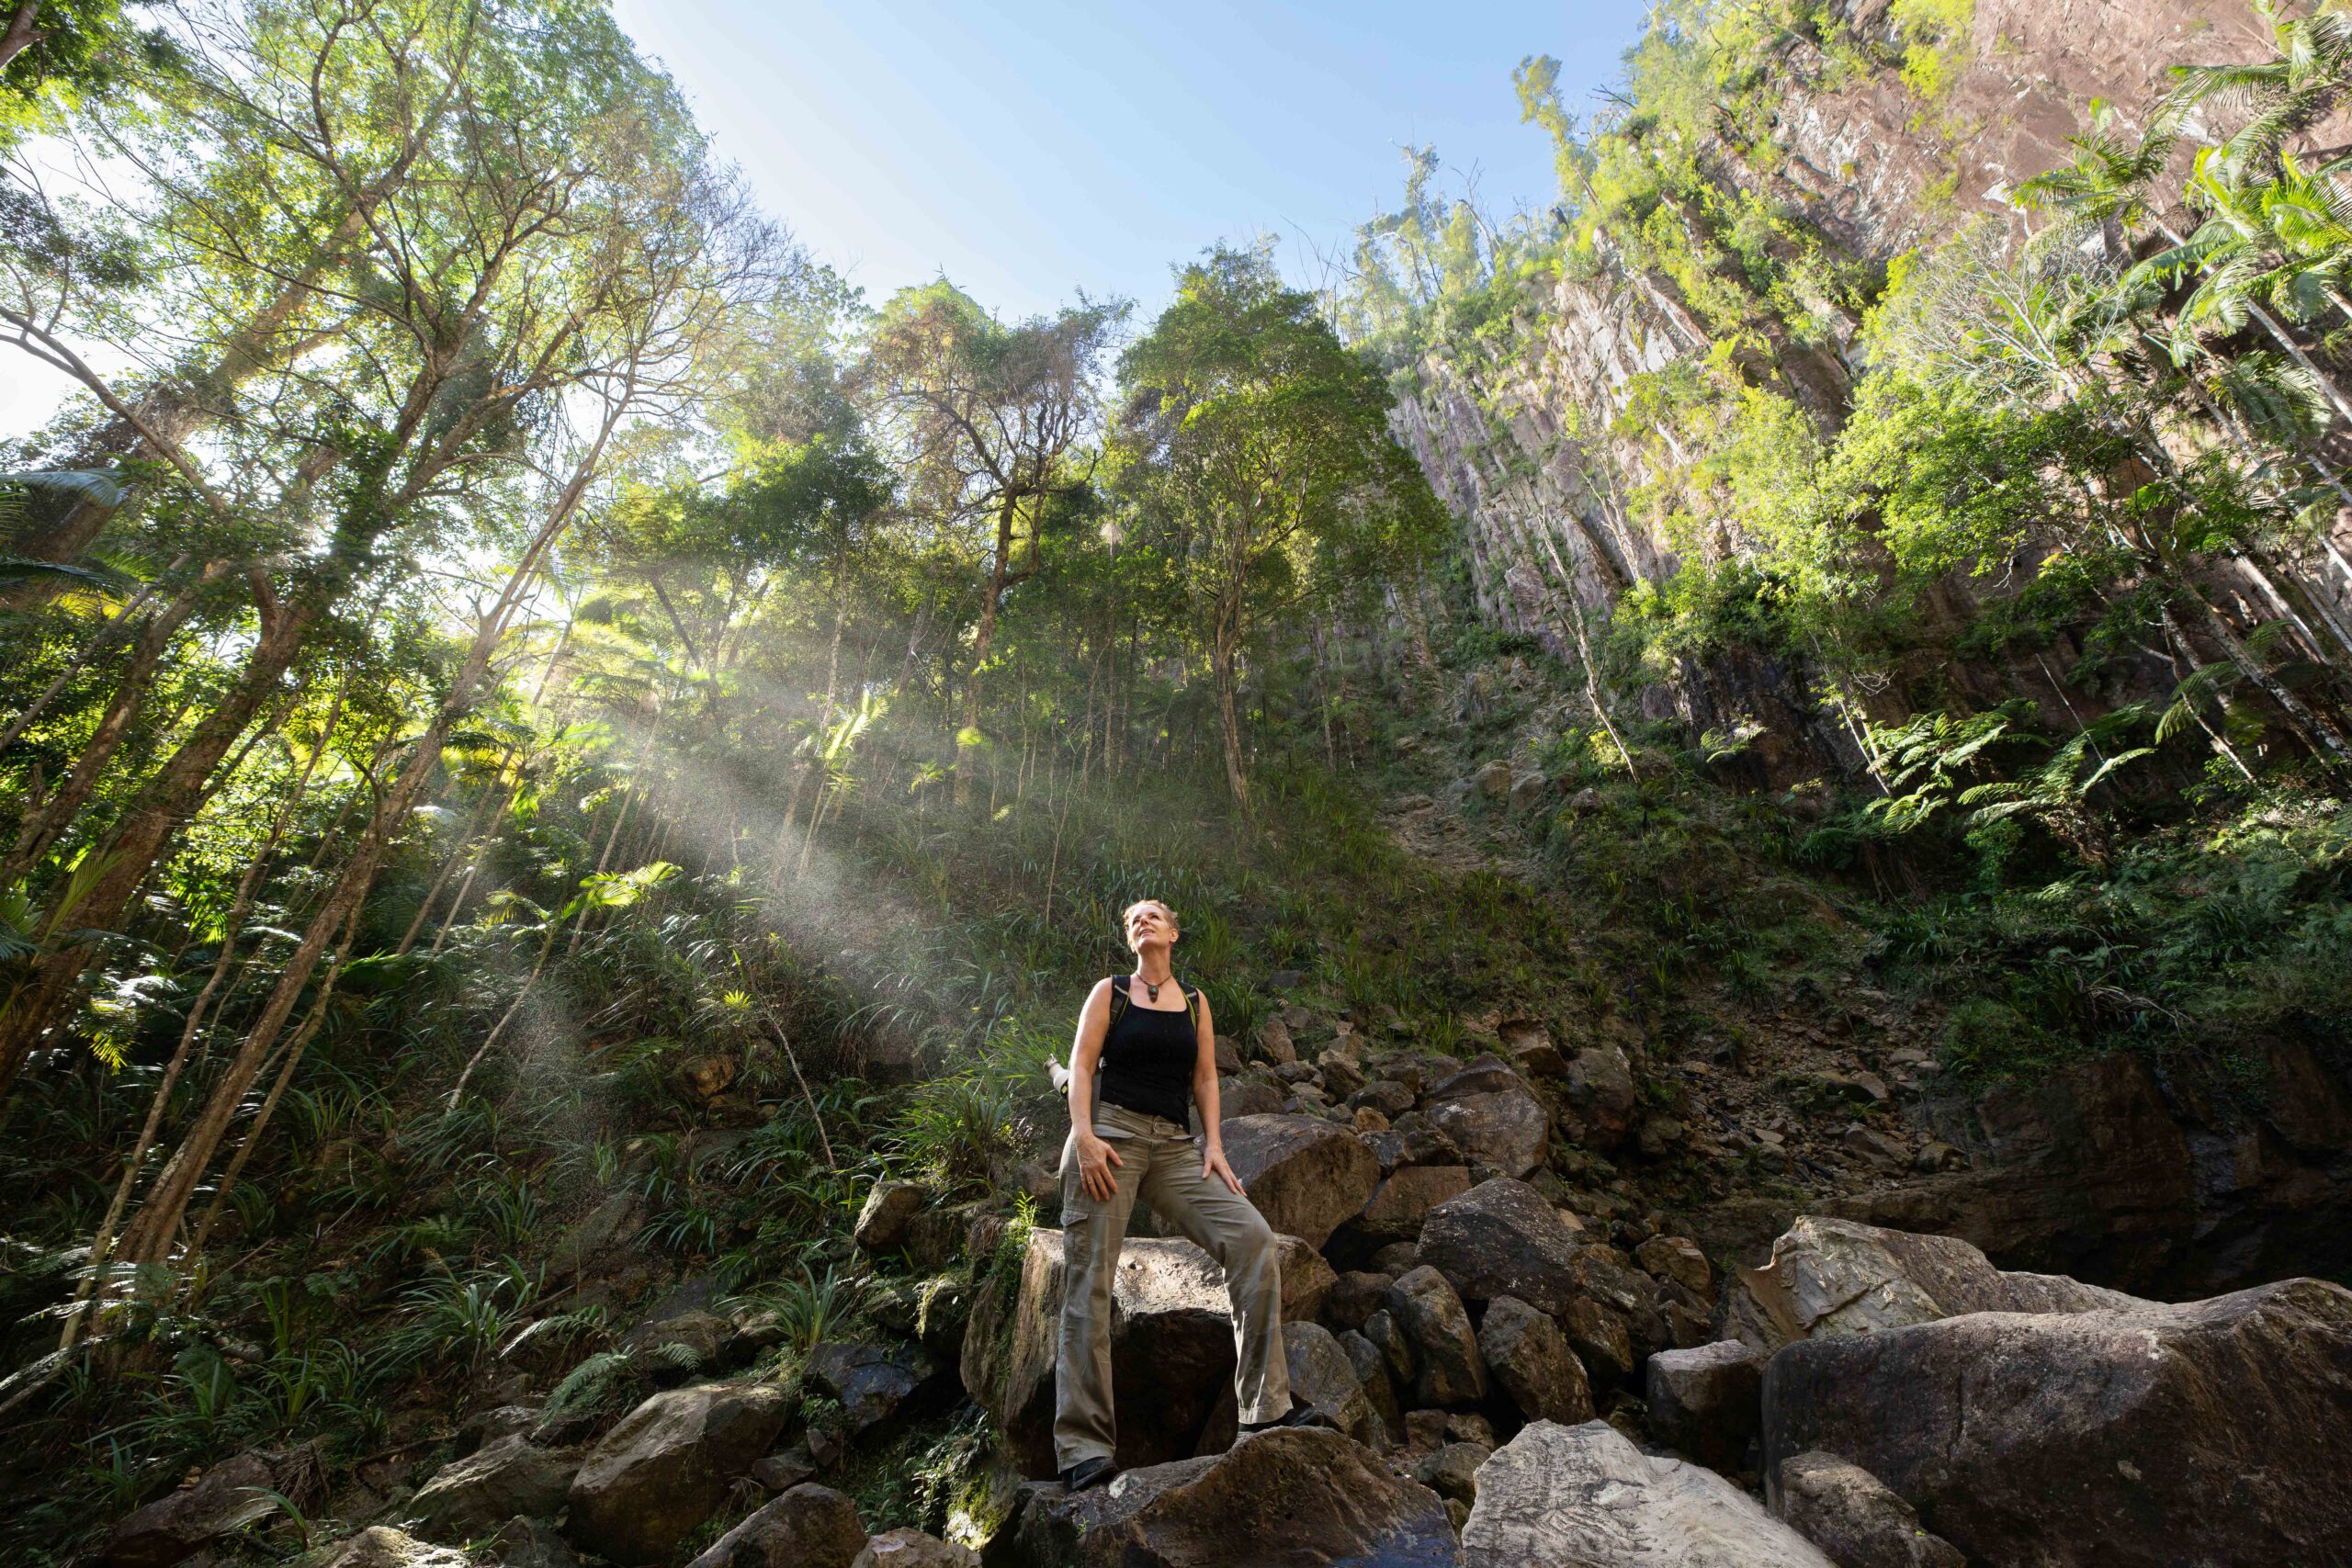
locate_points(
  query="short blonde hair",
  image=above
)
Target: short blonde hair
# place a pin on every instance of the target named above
(1160, 904)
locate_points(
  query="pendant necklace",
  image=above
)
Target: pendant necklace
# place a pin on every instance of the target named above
(1151, 987)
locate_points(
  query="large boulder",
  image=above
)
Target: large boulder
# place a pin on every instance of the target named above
(890, 1206)
(1322, 1374)
(1306, 1175)
(1401, 1203)
(2217, 1431)
(1598, 1092)
(473, 1495)
(1298, 1496)
(1705, 1401)
(666, 1467)
(1530, 1357)
(874, 1383)
(1501, 1238)
(1491, 1115)
(1857, 1522)
(1171, 1350)
(1833, 1276)
(808, 1527)
(1451, 1371)
(229, 1496)
(1583, 1496)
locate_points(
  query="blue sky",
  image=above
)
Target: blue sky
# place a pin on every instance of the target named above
(1031, 148)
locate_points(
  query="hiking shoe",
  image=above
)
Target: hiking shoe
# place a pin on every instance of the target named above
(1297, 1415)
(1087, 1473)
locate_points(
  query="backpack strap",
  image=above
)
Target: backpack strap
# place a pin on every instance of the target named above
(1119, 1000)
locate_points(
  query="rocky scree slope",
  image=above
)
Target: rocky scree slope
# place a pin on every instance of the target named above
(1527, 1360)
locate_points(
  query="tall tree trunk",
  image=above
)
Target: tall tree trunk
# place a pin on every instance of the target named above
(45, 826)
(232, 926)
(260, 1123)
(151, 1235)
(167, 800)
(2319, 732)
(1222, 666)
(1000, 567)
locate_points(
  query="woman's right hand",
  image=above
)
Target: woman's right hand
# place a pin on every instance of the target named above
(1095, 1159)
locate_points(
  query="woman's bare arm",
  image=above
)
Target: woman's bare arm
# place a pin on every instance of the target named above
(1205, 1096)
(1095, 1156)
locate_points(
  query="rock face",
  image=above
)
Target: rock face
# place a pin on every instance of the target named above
(1857, 1522)
(1491, 1115)
(1451, 1371)
(2170, 1189)
(1706, 1402)
(1585, 1497)
(665, 1468)
(475, 1495)
(808, 1527)
(1306, 1175)
(1296, 1496)
(1530, 1358)
(1830, 1276)
(1171, 1350)
(2217, 1431)
(224, 1498)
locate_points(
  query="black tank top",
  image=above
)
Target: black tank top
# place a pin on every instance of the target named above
(1148, 1059)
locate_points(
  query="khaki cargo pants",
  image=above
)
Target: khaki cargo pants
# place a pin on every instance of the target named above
(1161, 1163)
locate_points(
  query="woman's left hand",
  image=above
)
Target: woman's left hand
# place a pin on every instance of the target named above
(1213, 1163)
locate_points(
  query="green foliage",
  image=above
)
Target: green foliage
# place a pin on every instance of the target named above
(1935, 35)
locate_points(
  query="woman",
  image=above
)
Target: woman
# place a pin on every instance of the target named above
(1158, 1055)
